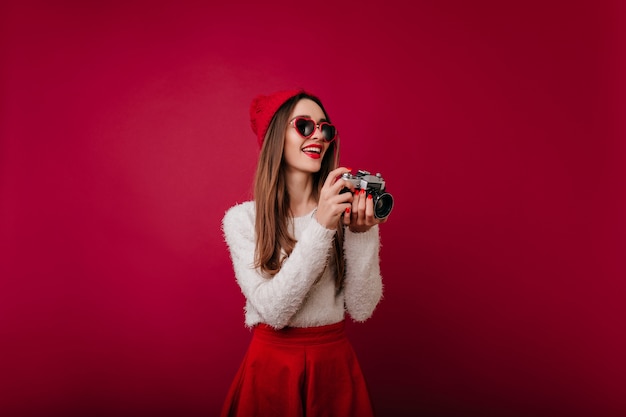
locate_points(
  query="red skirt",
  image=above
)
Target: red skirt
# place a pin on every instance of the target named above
(296, 372)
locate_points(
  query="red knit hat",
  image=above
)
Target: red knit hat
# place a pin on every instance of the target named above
(263, 108)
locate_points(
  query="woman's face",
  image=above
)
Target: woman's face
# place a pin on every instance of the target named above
(302, 154)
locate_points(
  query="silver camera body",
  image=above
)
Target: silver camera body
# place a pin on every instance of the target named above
(373, 185)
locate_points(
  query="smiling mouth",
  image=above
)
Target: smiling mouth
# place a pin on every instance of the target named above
(312, 150)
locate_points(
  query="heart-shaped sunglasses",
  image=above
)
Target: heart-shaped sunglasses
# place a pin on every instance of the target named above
(305, 126)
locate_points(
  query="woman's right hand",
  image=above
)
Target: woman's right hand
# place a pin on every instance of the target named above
(332, 203)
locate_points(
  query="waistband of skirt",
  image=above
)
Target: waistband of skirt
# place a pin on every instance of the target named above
(301, 335)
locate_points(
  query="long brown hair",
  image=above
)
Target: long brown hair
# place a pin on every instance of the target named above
(274, 242)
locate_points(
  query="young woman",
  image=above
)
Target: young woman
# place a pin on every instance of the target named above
(304, 253)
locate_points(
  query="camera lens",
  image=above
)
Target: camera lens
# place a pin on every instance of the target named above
(383, 204)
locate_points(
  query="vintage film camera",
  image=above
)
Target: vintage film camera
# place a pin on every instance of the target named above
(375, 186)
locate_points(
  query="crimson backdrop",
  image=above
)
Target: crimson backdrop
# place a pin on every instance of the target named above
(497, 125)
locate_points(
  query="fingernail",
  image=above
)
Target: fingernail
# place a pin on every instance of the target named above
(347, 210)
(369, 196)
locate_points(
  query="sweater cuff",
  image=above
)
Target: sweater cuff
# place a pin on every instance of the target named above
(361, 238)
(319, 231)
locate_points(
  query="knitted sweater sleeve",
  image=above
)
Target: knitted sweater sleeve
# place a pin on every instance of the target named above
(278, 298)
(363, 283)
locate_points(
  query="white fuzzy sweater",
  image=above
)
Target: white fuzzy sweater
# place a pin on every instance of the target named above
(293, 297)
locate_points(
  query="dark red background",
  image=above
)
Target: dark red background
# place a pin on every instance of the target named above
(499, 127)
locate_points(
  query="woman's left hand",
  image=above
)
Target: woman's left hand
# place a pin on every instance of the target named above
(361, 217)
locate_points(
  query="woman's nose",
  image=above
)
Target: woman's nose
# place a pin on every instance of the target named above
(317, 132)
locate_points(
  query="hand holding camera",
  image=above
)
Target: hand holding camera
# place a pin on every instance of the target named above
(373, 185)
